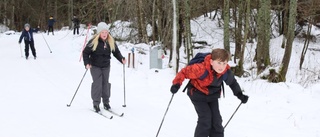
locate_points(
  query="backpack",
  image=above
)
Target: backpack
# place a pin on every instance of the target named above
(199, 58)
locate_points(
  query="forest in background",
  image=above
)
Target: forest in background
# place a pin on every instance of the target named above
(243, 21)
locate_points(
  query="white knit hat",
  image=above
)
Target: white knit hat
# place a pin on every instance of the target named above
(102, 26)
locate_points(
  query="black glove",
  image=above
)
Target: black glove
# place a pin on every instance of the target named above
(243, 98)
(174, 88)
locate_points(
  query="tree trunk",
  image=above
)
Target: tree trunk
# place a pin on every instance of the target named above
(70, 14)
(5, 18)
(12, 24)
(263, 36)
(279, 11)
(140, 36)
(141, 23)
(238, 30)
(188, 30)
(306, 43)
(175, 51)
(56, 13)
(240, 70)
(226, 18)
(154, 22)
(285, 15)
(288, 47)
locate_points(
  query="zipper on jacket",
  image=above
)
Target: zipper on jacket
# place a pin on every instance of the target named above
(105, 46)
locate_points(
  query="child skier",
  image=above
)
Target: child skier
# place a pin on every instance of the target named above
(27, 35)
(204, 90)
(51, 22)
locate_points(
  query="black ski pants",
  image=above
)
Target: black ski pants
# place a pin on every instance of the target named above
(100, 87)
(31, 45)
(75, 29)
(50, 28)
(209, 119)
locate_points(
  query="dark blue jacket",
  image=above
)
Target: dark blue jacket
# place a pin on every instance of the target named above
(51, 22)
(27, 35)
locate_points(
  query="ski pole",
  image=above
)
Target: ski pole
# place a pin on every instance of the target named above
(46, 43)
(124, 87)
(232, 115)
(85, 41)
(20, 50)
(164, 115)
(68, 105)
(67, 33)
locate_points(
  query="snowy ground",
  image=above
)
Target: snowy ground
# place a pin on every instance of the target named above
(34, 95)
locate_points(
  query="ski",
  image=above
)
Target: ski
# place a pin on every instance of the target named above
(101, 114)
(115, 113)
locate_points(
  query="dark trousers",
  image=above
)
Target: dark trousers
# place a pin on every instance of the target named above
(100, 87)
(26, 49)
(50, 28)
(209, 119)
(75, 29)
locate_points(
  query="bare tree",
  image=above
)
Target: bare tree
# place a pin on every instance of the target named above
(264, 30)
(226, 19)
(238, 16)
(308, 12)
(142, 33)
(247, 9)
(187, 28)
(175, 51)
(288, 46)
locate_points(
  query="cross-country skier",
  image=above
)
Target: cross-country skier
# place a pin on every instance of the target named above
(96, 57)
(27, 35)
(205, 89)
(51, 22)
(76, 25)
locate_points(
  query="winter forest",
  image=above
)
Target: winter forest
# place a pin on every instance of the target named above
(274, 46)
(243, 22)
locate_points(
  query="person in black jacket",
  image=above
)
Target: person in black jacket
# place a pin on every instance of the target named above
(204, 92)
(51, 22)
(76, 25)
(96, 57)
(27, 35)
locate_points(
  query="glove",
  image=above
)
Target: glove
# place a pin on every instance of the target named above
(243, 98)
(174, 88)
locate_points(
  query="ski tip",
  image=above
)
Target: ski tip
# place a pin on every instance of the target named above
(122, 115)
(111, 117)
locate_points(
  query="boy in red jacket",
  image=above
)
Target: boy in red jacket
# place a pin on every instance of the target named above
(205, 91)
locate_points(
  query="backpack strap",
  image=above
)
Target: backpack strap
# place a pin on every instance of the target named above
(203, 76)
(224, 77)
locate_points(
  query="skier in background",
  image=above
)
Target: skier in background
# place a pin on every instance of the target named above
(51, 22)
(76, 25)
(96, 57)
(27, 35)
(205, 90)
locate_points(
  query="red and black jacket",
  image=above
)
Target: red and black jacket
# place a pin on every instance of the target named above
(211, 83)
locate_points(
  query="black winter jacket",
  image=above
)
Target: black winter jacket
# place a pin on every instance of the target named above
(101, 56)
(27, 35)
(76, 22)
